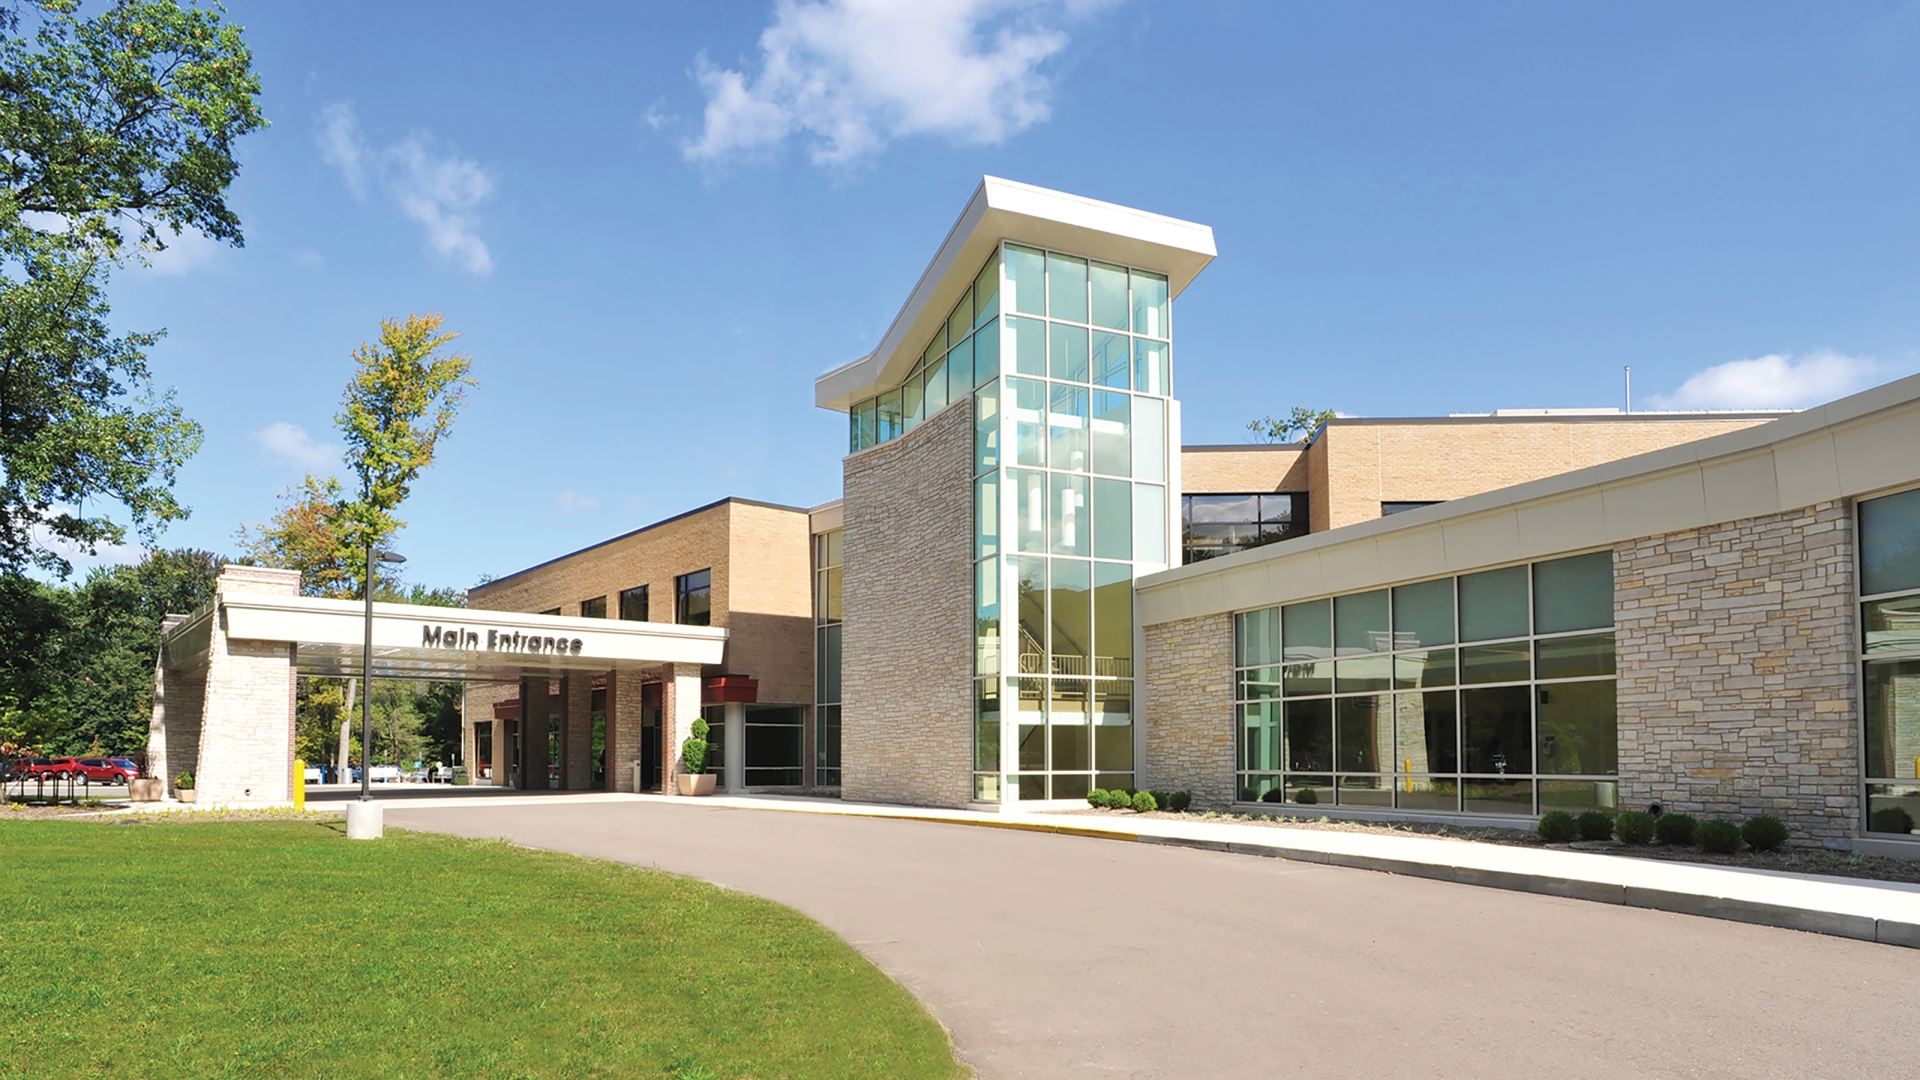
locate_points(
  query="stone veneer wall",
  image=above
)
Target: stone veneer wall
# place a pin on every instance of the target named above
(906, 718)
(1187, 709)
(1736, 657)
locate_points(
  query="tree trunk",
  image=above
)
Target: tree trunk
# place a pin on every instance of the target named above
(346, 732)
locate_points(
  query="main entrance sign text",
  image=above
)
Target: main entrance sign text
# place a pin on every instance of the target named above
(459, 637)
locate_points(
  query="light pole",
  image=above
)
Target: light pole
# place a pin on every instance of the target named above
(366, 673)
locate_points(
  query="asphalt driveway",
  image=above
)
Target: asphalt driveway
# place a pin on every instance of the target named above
(1060, 956)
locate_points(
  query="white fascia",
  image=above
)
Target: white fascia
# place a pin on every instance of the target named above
(1024, 214)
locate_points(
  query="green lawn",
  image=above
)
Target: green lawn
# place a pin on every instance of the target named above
(279, 949)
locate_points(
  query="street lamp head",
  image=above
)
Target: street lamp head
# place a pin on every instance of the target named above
(389, 556)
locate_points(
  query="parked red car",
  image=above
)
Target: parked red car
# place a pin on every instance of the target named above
(93, 770)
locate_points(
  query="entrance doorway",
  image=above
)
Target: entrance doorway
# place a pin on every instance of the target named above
(651, 747)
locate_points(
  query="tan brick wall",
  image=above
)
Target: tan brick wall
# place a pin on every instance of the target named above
(759, 556)
(1187, 709)
(1236, 469)
(906, 718)
(1736, 658)
(1356, 466)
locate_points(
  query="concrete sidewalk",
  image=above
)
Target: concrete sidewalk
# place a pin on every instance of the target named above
(1884, 912)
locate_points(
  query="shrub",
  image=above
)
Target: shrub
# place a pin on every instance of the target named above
(1764, 833)
(1719, 837)
(1557, 827)
(1143, 802)
(1306, 796)
(1595, 825)
(1179, 801)
(1634, 827)
(693, 752)
(184, 781)
(1675, 829)
(1893, 819)
(1275, 795)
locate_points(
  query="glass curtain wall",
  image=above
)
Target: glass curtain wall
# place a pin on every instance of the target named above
(1487, 693)
(826, 655)
(1890, 662)
(1072, 371)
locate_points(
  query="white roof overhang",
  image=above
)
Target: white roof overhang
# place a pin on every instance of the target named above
(423, 642)
(1005, 210)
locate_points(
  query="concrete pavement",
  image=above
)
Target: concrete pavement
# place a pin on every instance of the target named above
(1061, 956)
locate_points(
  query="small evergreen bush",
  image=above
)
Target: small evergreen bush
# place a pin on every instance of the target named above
(1718, 837)
(1143, 802)
(1675, 829)
(1097, 798)
(1764, 833)
(1595, 825)
(1275, 795)
(1557, 827)
(1634, 827)
(1306, 796)
(693, 752)
(1179, 801)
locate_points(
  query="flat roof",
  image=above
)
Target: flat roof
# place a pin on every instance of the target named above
(1007, 210)
(636, 532)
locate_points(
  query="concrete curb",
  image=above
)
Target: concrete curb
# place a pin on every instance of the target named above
(1835, 924)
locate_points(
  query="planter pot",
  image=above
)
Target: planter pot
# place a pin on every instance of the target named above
(695, 784)
(184, 794)
(150, 789)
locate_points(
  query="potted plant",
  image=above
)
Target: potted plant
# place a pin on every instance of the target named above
(693, 780)
(144, 788)
(183, 787)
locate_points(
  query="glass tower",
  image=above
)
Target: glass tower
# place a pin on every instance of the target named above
(1068, 364)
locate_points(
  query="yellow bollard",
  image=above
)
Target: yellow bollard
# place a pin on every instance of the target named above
(299, 784)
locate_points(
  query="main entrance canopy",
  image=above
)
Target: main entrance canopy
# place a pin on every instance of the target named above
(224, 680)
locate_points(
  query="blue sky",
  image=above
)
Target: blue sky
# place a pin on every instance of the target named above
(656, 224)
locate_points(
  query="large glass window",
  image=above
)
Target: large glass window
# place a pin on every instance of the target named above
(693, 598)
(1378, 708)
(1215, 525)
(594, 608)
(1071, 503)
(1890, 660)
(633, 604)
(828, 553)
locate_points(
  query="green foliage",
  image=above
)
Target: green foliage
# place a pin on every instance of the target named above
(308, 535)
(693, 755)
(398, 406)
(1764, 832)
(1300, 423)
(1634, 827)
(1306, 796)
(115, 132)
(1179, 801)
(1274, 795)
(183, 781)
(1097, 798)
(233, 932)
(1557, 827)
(699, 730)
(1675, 829)
(1144, 802)
(1595, 825)
(1718, 837)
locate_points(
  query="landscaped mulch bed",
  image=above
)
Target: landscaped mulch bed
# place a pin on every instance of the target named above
(1795, 860)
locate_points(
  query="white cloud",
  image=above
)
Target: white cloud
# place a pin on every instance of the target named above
(1775, 381)
(440, 191)
(657, 117)
(573, 503)
(291, 441)
(856, 73)
(183, 253)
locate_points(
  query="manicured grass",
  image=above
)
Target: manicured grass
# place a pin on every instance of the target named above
(280, 949)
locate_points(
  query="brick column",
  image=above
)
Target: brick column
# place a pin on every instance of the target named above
(246, 725)
(576, 725)
(625, 706)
